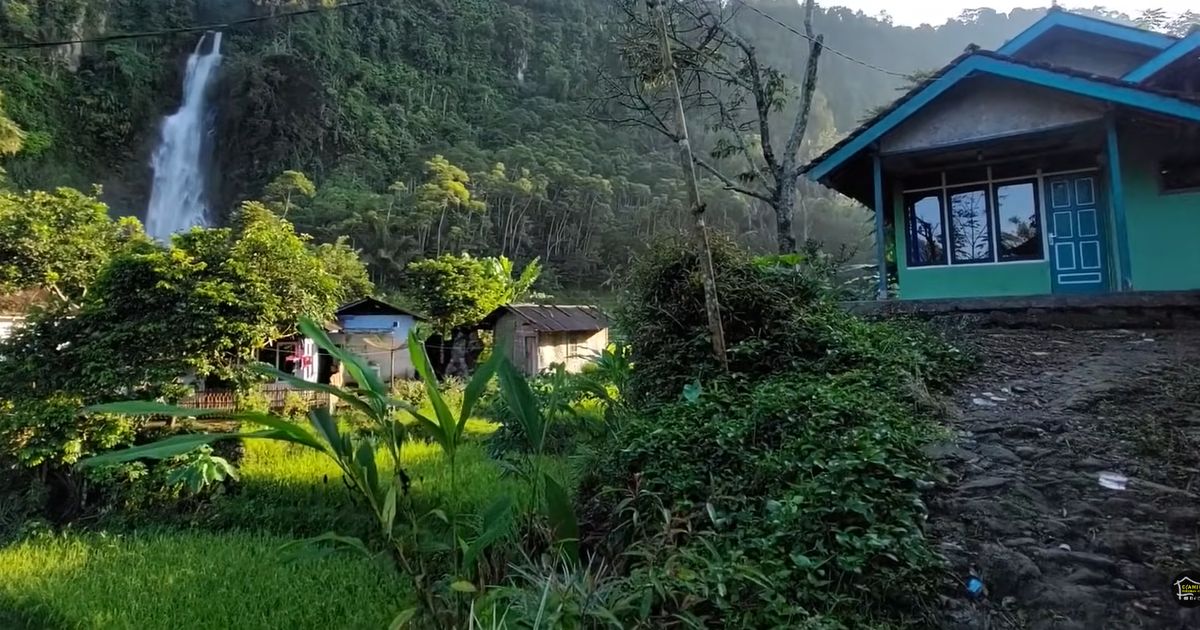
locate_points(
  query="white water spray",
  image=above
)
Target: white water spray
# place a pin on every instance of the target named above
(177, 198)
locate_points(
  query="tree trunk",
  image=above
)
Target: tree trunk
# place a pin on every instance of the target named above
(712, 305)
(783, 205)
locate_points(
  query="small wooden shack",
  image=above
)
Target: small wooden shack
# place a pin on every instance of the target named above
(537, 336)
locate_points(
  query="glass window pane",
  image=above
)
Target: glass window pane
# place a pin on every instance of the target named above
(970, 228)
(1018, 225)
(1181, 174)
(926, 231)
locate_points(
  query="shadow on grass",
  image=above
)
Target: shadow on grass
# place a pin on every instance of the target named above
(29, 614)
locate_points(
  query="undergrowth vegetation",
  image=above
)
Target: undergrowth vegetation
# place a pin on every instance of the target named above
(786, 492)
(653, 490)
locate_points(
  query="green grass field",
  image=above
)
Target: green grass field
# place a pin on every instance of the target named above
(187, 579)
(228, 571)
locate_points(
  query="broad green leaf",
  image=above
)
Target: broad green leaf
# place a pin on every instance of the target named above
(291, 379)
(389, 511)
(517, 393)
(445, 418)
(173, 446)
(298, 434)
(463, 586)
(323, 422)
(336, 541)
(438, 432)
(497, 519)
(478, 383)
(153, 408)
(561, 514)
(403, 619)
(359, 370)
(365, 457)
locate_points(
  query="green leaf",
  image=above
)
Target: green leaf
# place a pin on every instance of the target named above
(389, 511)
(516, 392)
(301, 548)
(475, 388)
(294, 431)
(291, 379)
(173, 446)
(463, 586)
(497, 519)
(359, 370)
(153, 408)
(403, 619)
(561, 514)
(435, 429)
(323, 422)
(692, 391)
(445, 418)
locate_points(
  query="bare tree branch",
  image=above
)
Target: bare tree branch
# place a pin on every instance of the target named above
(728, 181)
(792, 170)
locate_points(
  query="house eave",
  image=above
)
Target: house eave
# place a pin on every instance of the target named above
(980, 62)
(1057, 19)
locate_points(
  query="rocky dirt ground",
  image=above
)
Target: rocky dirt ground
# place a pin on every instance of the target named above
(1048, 414)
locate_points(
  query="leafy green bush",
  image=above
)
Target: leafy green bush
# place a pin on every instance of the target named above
(786, 491)
(802, 494)
(777, 318)
(53, 431)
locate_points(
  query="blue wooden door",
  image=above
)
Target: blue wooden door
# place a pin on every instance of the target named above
(1078, 248)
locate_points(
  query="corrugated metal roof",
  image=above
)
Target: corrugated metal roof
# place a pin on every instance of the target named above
(556, 318)
(372, 306)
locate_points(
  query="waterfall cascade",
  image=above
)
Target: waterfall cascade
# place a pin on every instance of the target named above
(180, 162)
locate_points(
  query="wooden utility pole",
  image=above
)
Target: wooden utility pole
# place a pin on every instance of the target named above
(712, 305)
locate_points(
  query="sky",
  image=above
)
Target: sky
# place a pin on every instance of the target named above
(916, 12)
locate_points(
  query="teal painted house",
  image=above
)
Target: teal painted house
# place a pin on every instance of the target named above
(1066, 162)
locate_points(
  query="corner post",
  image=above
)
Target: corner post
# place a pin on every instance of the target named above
(880, 233)
(1116, 191)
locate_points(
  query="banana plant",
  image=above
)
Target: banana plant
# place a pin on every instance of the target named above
(534, 426)
(353, 454)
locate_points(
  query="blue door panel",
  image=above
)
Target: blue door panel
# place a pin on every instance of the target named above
(1078, 260)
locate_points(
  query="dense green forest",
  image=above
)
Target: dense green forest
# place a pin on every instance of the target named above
(430, 126)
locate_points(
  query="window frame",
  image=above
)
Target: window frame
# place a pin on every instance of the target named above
(1038, 211)
(1163, 189)
(986, 191)
(1036, 177)
(910, 237)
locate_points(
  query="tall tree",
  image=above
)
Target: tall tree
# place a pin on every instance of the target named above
(724, 80)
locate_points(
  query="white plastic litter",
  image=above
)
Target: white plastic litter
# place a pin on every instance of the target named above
(1113, 481)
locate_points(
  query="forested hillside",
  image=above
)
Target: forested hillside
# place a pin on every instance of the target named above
(427, 126)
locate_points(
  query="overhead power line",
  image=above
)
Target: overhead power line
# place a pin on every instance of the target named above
(187, 29)
(823, 45)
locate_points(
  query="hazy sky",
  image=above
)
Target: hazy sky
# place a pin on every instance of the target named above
(915, 12)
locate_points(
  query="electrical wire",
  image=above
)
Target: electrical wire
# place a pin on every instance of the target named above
(826, 47)
(187, 29)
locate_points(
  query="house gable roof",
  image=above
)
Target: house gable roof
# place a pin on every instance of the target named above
(976, 61)
(1166, 58)
(1057, 19)
(371, 306)
(554, 318)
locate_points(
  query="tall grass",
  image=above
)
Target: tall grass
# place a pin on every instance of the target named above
(176, 579)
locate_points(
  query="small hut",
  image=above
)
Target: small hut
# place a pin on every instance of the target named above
(537, 336)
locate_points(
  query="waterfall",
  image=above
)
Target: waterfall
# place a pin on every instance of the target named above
(180, 162)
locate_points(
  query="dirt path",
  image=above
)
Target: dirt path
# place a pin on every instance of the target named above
(1023, 508)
